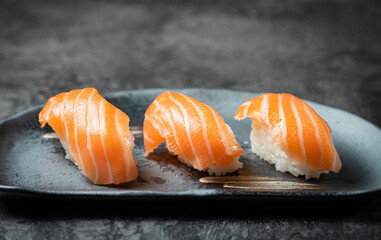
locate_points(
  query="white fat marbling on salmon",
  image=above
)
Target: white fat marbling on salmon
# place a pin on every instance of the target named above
(187, 128)
(317, 134)
(203, 124)
(63, 118)
(157, 126)
(283, 125)
(76, 133)
(88, 130)
(300, 130)
(171, 122)
(126, 156)
(102, 127)
(265, 109)
(148, 138)
(247, 105)
(66, 144)
(220, 132)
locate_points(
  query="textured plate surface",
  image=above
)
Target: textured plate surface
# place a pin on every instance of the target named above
(32, 163)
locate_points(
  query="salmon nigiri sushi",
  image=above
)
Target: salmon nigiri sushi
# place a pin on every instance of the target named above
(94, 133)
(288, 133)
(193, 131)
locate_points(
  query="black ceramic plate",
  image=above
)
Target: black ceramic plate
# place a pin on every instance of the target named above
(31, 163)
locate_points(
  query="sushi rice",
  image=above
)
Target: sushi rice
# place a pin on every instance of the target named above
(264, 146)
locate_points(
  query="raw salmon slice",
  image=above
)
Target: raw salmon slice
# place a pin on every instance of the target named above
(193, 131)
(94, 133)
(287, 132)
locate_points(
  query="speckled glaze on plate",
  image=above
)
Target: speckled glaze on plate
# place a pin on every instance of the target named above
(34, 165)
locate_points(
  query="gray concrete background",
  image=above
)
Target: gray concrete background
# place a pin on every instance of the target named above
(324, 51)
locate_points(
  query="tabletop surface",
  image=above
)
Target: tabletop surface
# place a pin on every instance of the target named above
(324, 51)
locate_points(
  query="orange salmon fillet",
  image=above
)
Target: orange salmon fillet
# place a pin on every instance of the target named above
(296, 128)
(193, 131)
(96, 134)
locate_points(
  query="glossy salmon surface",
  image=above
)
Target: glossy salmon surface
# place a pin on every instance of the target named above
(192, 130)
(296, 128)
(96, 134)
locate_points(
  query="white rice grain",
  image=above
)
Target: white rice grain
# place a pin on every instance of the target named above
(264, 146)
